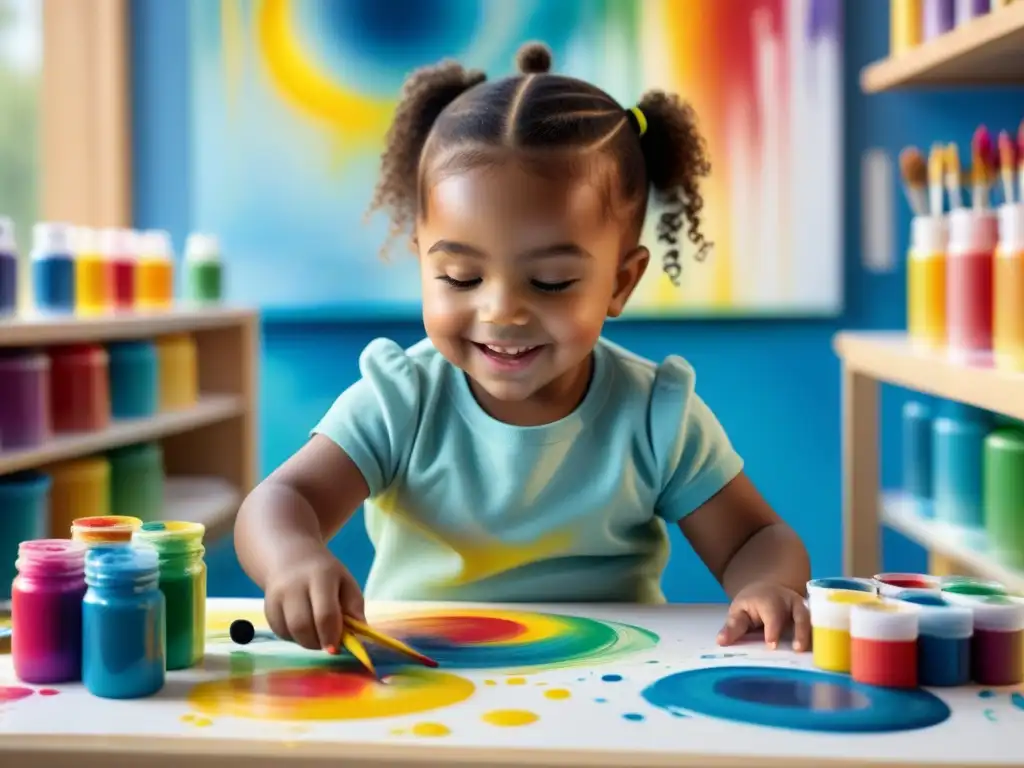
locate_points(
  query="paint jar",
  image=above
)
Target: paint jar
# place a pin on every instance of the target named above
(959, 438)
(917, 455)
(79, 485)
(179, 375)
(904, 26)
(831, 584)
(183, 582)
(883, 644)
(967, 587)
(830, 627)
(1008, 290)
(104, 530)
(1004, 494)
(137, 481)
(203, 269)
(134, 379)
(973, 236)
(117, 247)
(892, 584)
(943, 640)
(79, 388)
(53, 268)
(24, 505)
(24, 400)
(8, 269)
(967, 10)
(46, 611)
(997, 648)
(93, 284)
(926, 283)
(939, 18)
(154, 275)
(123, 615)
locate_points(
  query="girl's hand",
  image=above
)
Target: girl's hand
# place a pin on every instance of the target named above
(768, 605)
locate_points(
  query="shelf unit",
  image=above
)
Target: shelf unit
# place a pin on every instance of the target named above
(869, 359)
(210, 448)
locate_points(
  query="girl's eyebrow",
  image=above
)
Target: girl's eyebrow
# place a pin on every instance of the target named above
(456, 248)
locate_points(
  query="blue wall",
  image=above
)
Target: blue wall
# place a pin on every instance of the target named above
(790, 441)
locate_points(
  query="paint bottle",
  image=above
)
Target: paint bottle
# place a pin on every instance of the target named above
(830, 627)
(183, 582)
(917, 455)
(967, 10)
(943, 640)
(883, 643)
(939, 18)
(78, 484)
(105, 529)
(904, 26)
(123, 615)
(831, 584)
(79, 388)
(8, 269)
(137, 481)
(997, 648)
(959, 439)
(155, 271)
(92, 274)
(24, 499)
(46, 626)
(179, 374)
(1008, 281)
(973, 236)
(53, 268)
(1004, 494)
(25, 420)
(134, 379)
(203, 268)
(118, 248)
(926, 282)
(892, 584)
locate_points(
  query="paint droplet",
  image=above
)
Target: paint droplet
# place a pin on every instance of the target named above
(991, 715)
(601, 701)
(633, 716)
(722, 655)
(1017, 699)
(397, 731)
(48, 691)
(557, 693)
(197, 720)
(14, 693)
(541, 684)
(986, 694)
(430, 729)
(611, 678)
(509, 718)
(490, 682)
(653, 661)
(516, 681)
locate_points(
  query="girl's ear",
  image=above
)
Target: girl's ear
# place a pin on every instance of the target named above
(631, 269)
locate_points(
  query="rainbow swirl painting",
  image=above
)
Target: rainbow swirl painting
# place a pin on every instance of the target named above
(291, 100)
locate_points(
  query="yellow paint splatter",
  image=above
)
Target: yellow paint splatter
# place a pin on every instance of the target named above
(430, 729)
(509, 718)
(516, 681)
(540, 684)
(557, 693)
(197, 720)
(490, 682)
(397, 731)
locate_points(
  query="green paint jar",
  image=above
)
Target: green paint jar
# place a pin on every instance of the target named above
(137, 481)
(1004, 494)
(179, 545)
(204, 272)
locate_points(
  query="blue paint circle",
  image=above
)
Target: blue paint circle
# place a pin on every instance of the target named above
(612, 678)
(798, 699)
(634, 717)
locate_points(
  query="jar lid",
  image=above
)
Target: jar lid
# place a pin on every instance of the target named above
(8, 242)
(831, 610)
(939, 617)
(886, 619)
(998, 613)
(50, 237)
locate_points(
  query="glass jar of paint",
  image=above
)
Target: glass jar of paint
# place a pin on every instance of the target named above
(917, 455)
(137, 481)
(78, 484)
(973, 236)
(905, 27)
(926, 283)
(104, 529)
(8, 269)
(1004, 494)
(25, 420)
(967, 10)
(203, 268)
(24, 500)
(134, 379)
(93, 277)
(79, 388)
(997, 648)
(117, 247)
(938, 18)
(943, 641)
(183, 582)
(883, 644)
(53, 268)
(46, 611)
(1008, 309)
(123, 615)
(154, 270)
(830, 627)
(959, 433)
(179, 374)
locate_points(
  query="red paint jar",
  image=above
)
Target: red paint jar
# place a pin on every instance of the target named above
(883, 644)
(891, 584)
(117, 246)
(80, 388)
(970, 261)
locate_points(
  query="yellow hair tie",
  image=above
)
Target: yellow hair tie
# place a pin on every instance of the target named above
(641, 119)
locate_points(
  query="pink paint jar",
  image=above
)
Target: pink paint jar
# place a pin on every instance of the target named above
(24, 400)
(970, 259)
(46, 611)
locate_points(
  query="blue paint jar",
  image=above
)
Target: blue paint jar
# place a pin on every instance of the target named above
(917, 454)
(8, 268)
(958, 435)
(24, 515)
(943, 640)
(123, 623)
(53, 268)
(134, 379)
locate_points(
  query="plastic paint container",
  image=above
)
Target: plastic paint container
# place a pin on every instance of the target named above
(154, 275)
(966, 10)
(973, 588)
(134, 379)
(137, 481)
(93, 283)
(1004, 494)
(917, 454)
(46, 627)
(107, 529)
(183, 582)
(117, 247)
(883, 644)
(24, 505)
(830, 627)
(997, 648)
(8, 268)
(1008, 281)
(926, 283)
(891, 584)
(969, 300)
(79, 388)
(53, 268)
(831, 584)
(79, 485)
(179, 376)
(24, 400)
(943, 640)
(905, 26)
(123, 629)
(959, 439)
(939, 18)
(204, 270)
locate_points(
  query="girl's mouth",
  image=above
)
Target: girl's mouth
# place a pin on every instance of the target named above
(507, 357)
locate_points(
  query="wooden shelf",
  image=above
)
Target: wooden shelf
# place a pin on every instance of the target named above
(989, 50)
(963, 547)
(211, 501)
(889, 358)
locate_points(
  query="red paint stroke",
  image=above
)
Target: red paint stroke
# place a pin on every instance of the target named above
(311, 684)
(908, 583)
(458, 630)
(14, 693)
(48, 691)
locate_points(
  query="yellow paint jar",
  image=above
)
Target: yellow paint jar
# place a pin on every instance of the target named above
(926, 283)
(179, 375)
(1008, 290)
(154, 271)
(830, 627)
(81, 488)
(905, 25)
(93, 276)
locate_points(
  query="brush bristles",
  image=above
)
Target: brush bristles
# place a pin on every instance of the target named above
(913, 167)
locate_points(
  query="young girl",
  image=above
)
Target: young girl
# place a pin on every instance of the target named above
(514, 454)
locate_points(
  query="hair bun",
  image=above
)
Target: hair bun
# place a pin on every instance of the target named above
(534, 59)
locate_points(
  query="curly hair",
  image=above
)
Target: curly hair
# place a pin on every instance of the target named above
(450, 118)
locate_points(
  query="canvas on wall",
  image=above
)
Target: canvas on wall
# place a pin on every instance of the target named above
(291, 100)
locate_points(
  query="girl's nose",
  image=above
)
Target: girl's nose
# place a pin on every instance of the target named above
(502, 306)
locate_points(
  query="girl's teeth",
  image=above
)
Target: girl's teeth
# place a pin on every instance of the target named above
(510, 351)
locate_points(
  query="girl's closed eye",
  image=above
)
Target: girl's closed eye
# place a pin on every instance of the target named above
(461, 284)
(554, 286)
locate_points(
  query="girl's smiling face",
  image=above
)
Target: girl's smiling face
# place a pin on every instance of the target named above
(519, 270)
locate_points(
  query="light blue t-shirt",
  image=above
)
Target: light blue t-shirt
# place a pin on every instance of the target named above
(465, 507)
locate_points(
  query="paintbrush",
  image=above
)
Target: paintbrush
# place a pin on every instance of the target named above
(915, 178)
(353, 646)
(1007, 165)
(936, 167)
(981, 167)
(953, 176)
(389, 642)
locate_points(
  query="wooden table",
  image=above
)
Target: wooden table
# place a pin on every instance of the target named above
(530, 685)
